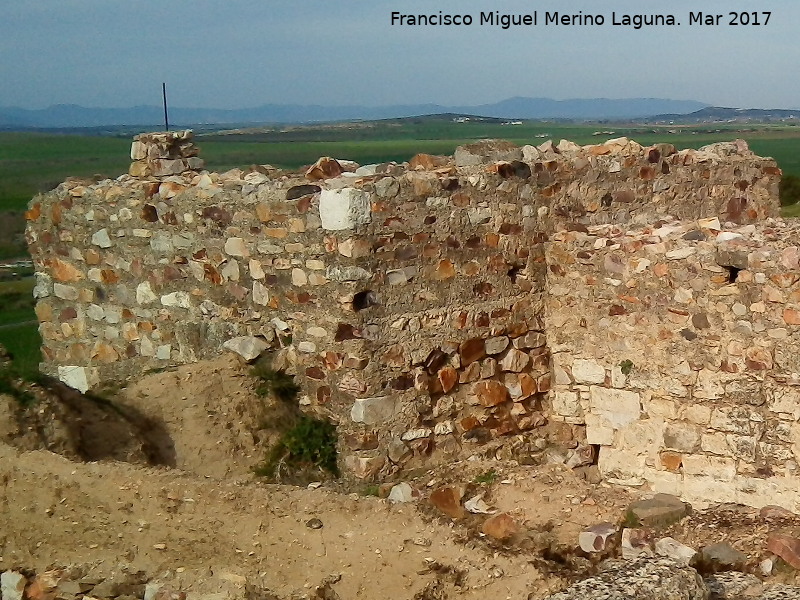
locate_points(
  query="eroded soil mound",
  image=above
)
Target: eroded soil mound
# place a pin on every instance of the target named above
(173, 503)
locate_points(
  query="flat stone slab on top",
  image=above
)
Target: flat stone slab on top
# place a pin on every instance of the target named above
(661, 509)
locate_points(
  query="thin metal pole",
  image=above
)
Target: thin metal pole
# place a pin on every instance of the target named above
(164, 94)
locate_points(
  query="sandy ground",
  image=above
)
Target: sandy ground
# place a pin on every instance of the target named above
(200, 521)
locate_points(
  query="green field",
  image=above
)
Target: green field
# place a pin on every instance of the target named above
(23, 342)
(19, 332)
(34, 162)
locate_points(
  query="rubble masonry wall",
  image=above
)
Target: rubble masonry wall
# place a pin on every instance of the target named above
(677, 347)
(408, 300)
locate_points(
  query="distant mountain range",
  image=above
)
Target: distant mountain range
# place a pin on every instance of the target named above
(716, 114)
(71, 115)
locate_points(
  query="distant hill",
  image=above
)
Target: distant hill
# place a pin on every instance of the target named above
(72, 115)
(718, 114)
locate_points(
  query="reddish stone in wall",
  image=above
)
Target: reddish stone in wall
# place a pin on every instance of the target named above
(332, 361)
(445, 270)
(785, 546)
(34, 213)
(490, 393)
(427, 162)
(758, 359)
(110, 276)
(323, 394)
(315, 373)
(448, 377)
(63, 271)
(544, 383)
(355, 362)
(735, 209)
(671, 461)
(212, 275)
(472, 350)
(345, 331)
(434, 361)
(67, 314)
(325, 168)
(791, 316)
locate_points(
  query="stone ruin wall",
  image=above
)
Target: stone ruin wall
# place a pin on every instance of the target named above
(409, 300)
(677, 347)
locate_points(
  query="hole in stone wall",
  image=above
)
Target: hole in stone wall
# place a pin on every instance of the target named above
(483, 288)
(451, 183)
(514, 272)
(733, 273)
(595, 453)
(364, 299)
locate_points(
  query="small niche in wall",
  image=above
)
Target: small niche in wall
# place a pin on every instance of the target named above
(514, 272)
(365, 299)
(733, 272)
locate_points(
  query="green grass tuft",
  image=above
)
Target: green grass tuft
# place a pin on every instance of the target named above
(275, 382)
(487, 478)
(309, 445)
(306, 445)
(630, 520)
(373, 489)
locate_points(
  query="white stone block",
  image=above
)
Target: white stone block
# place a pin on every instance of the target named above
(721, 469)
(715, 443)
(566, 403)
(661, 408)
(700, 491)
(620, 464)
(664, 482)
(757, 492)
(144, 293)
(78, 378)
(344, 209)
(179, 299)
(697, 414)
(100, 238)
(371, 411)
(248, 347)
(598, 430)
(619, 407)
(709, 385)
(138, 150)
(786, 400)
(260, 294)
(671, 548)
(12, 585)
(402, 492)
(642, 437)
(588, 371)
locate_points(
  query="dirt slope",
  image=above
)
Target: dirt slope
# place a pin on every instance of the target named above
(201, 522)
(57, 512)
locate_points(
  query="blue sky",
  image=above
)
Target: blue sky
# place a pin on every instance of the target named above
(241, 53)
